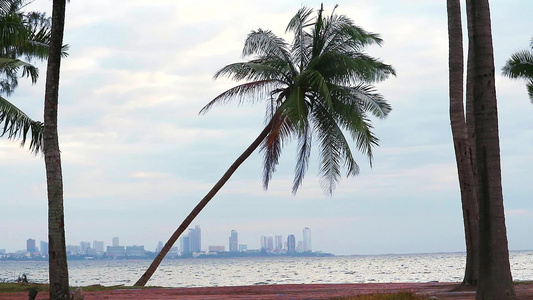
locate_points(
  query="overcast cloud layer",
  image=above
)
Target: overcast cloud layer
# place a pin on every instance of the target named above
(137, 156)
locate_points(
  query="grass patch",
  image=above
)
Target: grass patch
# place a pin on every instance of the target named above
(15, 287)
(395, 296)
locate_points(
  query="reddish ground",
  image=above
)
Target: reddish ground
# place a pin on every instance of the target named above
(292, 291)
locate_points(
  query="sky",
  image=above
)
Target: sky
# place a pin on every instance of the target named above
(137, 156)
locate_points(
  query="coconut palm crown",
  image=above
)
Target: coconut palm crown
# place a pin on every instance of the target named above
(23, 35)
(520, 65)
(319, 86)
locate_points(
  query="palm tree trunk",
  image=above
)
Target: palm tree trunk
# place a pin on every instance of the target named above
(192, 215)
(495, 280)
(58, 269)
(462, 143)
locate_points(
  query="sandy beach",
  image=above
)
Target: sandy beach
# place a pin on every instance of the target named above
(292, 291)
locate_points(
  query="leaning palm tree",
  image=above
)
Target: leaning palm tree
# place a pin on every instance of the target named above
(22, 35)
(520, 65)
(317, 87)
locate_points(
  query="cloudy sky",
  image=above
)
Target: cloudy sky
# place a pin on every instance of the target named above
(137, 156)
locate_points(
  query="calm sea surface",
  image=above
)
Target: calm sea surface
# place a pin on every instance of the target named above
(443, 267)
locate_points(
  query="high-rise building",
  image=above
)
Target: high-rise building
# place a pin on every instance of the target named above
(234, 241)
(307, 240)
(98, 246)
(195, 239)
(85, 246)
(184, 245)
(300, 246)
(264, 243)
(115, 242)
(278, 242)
(30, 245)
(291, 243)
(159, 247)
(243, 247)
(44, 248)
(270, 244)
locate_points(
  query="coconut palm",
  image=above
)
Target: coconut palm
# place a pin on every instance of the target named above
(318, 87)
(58, 270)
(22, 35)
(494, 275)
(520, 65)
(462, 142)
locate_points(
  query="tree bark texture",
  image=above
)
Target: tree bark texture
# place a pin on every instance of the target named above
(58, 269)
(495, 280)
(462, 142)
(198, 208)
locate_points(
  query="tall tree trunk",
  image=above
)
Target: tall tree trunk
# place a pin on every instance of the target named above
(198, 208)
(462, 143)
(495, 280)
(58, 270)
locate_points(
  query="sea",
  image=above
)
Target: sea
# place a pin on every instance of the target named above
(211, 272)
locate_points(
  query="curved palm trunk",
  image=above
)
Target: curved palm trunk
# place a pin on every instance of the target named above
(462, 143)
(58, 270)
(495, 280)
(198, 208)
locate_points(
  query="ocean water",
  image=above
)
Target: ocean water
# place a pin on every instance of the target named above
(442, 267)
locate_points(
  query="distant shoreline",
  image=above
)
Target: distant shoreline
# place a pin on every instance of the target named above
(152, 255)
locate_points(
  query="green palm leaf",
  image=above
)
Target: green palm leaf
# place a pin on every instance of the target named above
(17, 124)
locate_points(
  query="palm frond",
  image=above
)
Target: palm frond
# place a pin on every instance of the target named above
(520, 65)
(17, 125)
(529, 87)
(316, 82)
(272, 145)
(334, 149)
(261, 69)
(302, 159)
(364, 98)
(352, 68)
(355, 121)
(302, 39)
(296, 108)
(265, 43)
(251, 91)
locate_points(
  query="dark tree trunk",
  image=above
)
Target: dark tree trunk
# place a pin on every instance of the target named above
(495, 280)
(58, 270)
(198, 208)
(462, 143)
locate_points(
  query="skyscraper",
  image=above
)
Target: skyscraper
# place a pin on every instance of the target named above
(185, 245)
(307, 240)
(270, 244)
(291, 243)
(234, 241)
(195, 239)
(264, 243)
(30, 245)
(44, 248)
(159, 247)
(279, 242)
(115, 242)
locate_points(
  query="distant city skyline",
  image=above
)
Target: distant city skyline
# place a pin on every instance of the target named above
(191, 242)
